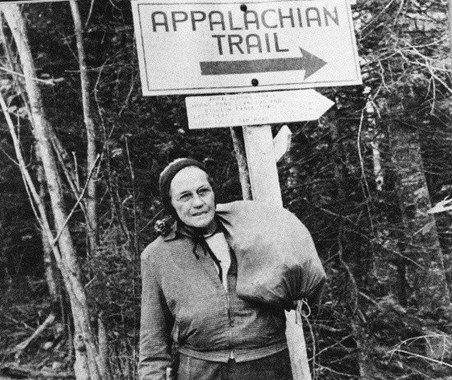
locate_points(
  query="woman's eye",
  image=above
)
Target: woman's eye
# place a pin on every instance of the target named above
(203, 191)
(184, 197)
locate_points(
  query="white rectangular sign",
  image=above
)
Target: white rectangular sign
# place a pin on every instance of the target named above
(217, 111)
(213, 46)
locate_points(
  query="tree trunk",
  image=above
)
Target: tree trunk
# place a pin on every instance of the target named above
(49, 264)
(49, 267)
(422, 244)
(35, 199)
(449, 13)
(425, 267)
(447, 251)
(86, 365)
(338, 159)
(103, 348)
(91, 201)
(374, 137)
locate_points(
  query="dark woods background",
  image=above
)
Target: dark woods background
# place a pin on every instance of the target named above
(361, 178)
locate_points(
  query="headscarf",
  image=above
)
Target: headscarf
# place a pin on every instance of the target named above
(165, 179)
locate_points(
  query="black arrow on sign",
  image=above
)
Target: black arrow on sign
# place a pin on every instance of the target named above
(308, 62)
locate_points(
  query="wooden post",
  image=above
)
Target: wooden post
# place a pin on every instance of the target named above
(265, 187)
(239, 149)
(261, 164)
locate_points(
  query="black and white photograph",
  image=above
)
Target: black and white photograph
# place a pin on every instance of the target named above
(226, 189)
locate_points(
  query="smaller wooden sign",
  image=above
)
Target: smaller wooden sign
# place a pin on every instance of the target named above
(220, 111)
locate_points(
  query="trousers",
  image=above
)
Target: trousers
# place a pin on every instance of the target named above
(273, 367)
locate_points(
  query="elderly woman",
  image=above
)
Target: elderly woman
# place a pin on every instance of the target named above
(206, 284)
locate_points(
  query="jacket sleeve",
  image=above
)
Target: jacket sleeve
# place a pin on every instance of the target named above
(156, 324)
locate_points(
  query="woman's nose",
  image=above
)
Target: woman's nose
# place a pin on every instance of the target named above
(197, 201)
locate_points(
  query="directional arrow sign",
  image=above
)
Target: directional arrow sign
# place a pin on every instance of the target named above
(212, 46)
(217, 111)
(308, 63)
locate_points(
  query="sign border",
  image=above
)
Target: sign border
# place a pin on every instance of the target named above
(357, 80)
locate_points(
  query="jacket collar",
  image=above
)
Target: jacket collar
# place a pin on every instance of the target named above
(173, 232)
(177, 230)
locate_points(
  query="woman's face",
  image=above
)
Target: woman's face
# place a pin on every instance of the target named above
(193, 198)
